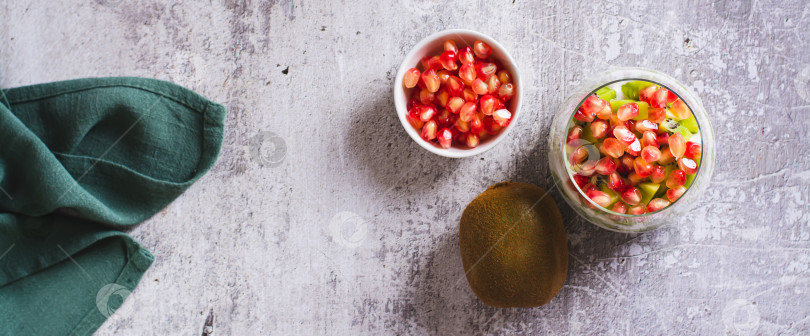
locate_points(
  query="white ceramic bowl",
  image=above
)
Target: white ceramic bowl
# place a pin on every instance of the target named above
(433, 45)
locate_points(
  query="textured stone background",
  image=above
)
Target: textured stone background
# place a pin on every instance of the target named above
(323, 217)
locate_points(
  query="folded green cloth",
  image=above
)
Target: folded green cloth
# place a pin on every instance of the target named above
(80, 160)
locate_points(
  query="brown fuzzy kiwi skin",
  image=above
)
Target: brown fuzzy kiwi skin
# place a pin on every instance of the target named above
(513, 246)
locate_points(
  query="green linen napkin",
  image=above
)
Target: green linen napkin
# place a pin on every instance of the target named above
(80, 160)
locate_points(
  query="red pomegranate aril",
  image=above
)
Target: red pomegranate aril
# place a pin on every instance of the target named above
(657, 204)
(583, 115)
(587, 168)
(680, 110)
(488, 103)
(485, 70)
(645, 125)
(646, 93)
(444, 119)
(624, 135)
(445, 138)
(467, 73)
(634, 148)
(599, 197)
(469, 95)
(599, 128)
(472, 140)
(616, 183)
(675, 193)
(693, 150)
(688, 165)
(648, 138)
(466, 56)
(661, 97)
(635, 179)
(455, 86)
(626, 164)
(491, 126)
(454, 104)
(479, 87)
(426, 97)
(411, 78)
(426, 112)
(590, 187)
(659, 174)
(506, 91)
(662, 139)
(605, 166)
(631, 196)
(414, 120)
(450, 45)
(481, 49)
(462, 126)
(666, 156)
(443, 75)
(677, 145)
(429, 130)
(642, 167)
(580, 180)
(613, 147)
(627, 111)
(476, 125)
(636, 210)
(502, 117)
(442, 97)
(605, 113)
(493, 84)
(504, 76)
(619, 207)
(467, 111)
(593, 104)
(432, 81)
(578, 156)
(650, 153)
(574, 133)
(656, 115)
(676, 178)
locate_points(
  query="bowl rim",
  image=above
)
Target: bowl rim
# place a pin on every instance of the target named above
(400, 99)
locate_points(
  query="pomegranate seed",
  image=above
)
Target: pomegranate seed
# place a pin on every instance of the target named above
(599, 128)
(688, 165)
(426, 97)
(676, 178)
(574, 133)
(431, 63)
(659, 174)
(432, 81)
(627, 111)
(426, 112)
(635, 179)
(675, 193)
(578, 155)
(485, 69)
(580, 180)
(482, 50)
(414, 120)
(614, 121)
(493, 84)
(411, 78)
(454, 85)
(616, 183)
(613, 147)
(445, 138)
(469, 95)
(491, 126)
(642, 167)
(605, 166)
(661, 97)
(593, 105)
(625, 164)
(645, 125)
(429, 130)
(462, 126)
(657, 204)
(472, 140)
(666, 156)
(467, 73)
(680, 110)
(656, 115)
(488, 103)
(634, 149)
(662, 139)
(677, 145)
(479, 87)
(599, 197)
(476, 125)
(443, 75)
(499, 105)
(650, 153)
(450, 45)
(444, 119)
(646, 93)
(693, 150)
(442, 97)
(582, 115)
(605, 113)
(619, 207)
(502, 117)
(465, 55)
(631, 196)
(648, 138)
(467, 111)
(636, 210)
(590, 187)
(587, 168)
(624, 135)
(504, 76)
(454, 104)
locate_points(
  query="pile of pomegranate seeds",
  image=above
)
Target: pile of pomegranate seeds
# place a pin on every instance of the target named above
(459, 96)
(649, 148)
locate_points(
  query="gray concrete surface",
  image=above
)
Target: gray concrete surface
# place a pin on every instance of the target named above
(323, 217)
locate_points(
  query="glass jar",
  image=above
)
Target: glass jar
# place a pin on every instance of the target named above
(598, 215)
